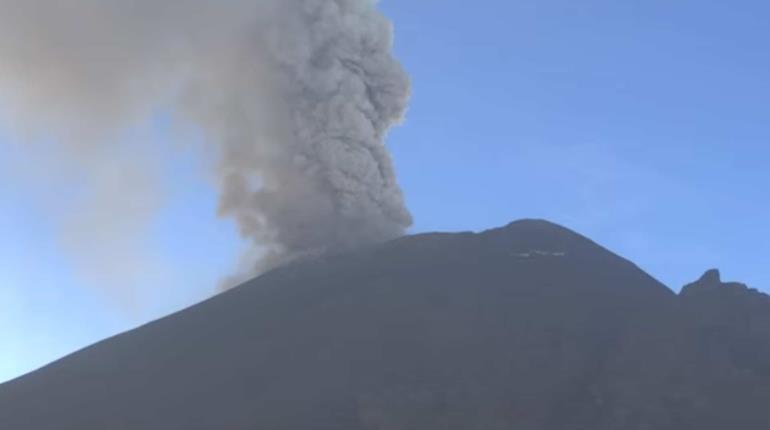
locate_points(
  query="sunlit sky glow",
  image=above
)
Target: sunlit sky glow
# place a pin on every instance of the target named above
(642, 125)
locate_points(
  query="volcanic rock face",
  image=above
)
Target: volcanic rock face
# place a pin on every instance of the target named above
(530, 326)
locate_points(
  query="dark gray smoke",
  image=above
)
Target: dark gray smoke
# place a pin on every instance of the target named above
(295, 98)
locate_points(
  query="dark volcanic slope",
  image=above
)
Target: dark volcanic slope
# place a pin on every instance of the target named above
(527, 327)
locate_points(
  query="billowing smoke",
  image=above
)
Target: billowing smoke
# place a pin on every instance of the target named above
(294, 98)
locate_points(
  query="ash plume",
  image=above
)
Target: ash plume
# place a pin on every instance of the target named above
(294, 98)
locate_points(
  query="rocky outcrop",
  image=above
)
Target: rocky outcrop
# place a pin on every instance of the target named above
(530, 326)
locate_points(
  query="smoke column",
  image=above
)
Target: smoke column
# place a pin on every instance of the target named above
(294, 98)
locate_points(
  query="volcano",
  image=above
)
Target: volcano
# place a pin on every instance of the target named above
(529, 326)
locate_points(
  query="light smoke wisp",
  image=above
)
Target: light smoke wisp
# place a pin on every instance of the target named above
(294, 96)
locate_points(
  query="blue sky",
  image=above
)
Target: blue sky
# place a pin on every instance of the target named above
(642, 125)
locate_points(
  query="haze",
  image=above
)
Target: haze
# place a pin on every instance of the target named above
(640, 125)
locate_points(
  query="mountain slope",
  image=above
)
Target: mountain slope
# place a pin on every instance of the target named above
(529, 326)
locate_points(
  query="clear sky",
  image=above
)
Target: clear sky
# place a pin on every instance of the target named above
(643, 125)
